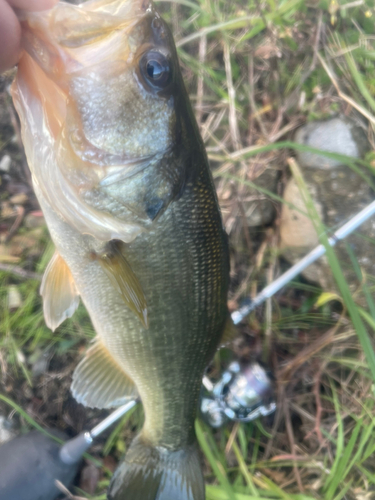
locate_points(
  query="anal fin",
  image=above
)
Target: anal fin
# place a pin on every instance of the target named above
(122, 277)
(99, 381)
(60, 295)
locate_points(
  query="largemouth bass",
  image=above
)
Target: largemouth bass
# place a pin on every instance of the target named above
(120, 171)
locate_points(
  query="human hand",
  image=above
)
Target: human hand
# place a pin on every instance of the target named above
(10, 29)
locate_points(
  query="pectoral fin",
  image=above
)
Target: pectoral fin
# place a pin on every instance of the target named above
(120, 273)
(60, 295)
(99, 381)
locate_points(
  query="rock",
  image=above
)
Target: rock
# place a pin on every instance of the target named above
(296, 229)
(297, 232)
(39, 361)
(14, 298)
(27, 243)
(338, 193)
(337, 135)
(33, 220)
(7, 430)
(19, 199)
(259, 209)
(7, 256)
(89, 478)
(5, 163)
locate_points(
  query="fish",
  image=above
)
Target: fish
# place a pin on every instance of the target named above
(121, 174)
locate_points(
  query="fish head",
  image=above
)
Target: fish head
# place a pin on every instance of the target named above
(112, 108)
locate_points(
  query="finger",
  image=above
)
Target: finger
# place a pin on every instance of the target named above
(32, 5)
(10, 37)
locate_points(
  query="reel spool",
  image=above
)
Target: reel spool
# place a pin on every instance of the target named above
(242, 394)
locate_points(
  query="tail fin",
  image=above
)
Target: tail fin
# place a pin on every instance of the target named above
(148, 473)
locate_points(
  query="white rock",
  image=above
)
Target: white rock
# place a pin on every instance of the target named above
(337, 135)
(5, 163)
(6, 431)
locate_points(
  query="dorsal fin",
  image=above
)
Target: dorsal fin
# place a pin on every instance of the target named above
(99, 381)
(60, 295)
(122, 277)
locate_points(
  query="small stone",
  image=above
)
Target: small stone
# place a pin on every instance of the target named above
(7, 431)
(337, 135)
(14, 298)
(297, 233)
(32, 221)
(19, 199)
(20, 357)
(7, 256)
(89, 478)
(259, 209)
(296, 229)
(39, 361)
(5, 163)
(7, 210)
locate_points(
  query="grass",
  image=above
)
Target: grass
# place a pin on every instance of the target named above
(255, 71)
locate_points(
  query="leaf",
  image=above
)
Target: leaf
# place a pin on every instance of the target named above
(326, 297)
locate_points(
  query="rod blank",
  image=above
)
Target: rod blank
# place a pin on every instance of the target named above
(275, 286)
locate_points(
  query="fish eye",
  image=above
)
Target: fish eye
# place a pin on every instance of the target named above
(156, 69)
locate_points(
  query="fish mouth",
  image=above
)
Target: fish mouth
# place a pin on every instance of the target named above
(75, 25)
(67, 35)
